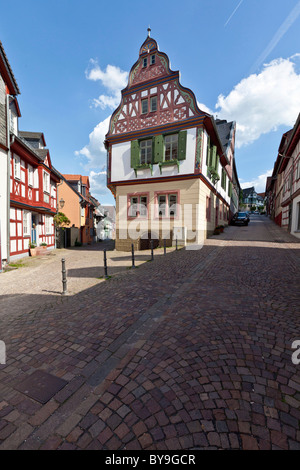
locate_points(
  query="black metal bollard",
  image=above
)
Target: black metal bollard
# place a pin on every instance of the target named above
(165, 247)
(105, 265)
(64, 277)
(132, 255)
(151, 244)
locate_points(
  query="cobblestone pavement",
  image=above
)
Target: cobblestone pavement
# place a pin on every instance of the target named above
(190, 351)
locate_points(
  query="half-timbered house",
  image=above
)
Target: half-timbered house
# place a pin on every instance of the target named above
(33, 198)
(167, 168)
(9, 113)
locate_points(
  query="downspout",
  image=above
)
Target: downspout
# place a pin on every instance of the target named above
(8, 180)
(57, 210)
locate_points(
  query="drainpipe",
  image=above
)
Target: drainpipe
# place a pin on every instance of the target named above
(8, 180)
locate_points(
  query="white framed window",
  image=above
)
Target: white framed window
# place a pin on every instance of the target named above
(167, 205)
(146, 151)
(46, 182)
(138, 206)
(26, 223)
(48, 224)
(30, 175)
(171, 147)
(17, 167)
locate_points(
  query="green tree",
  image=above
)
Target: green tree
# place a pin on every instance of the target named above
(61, 220)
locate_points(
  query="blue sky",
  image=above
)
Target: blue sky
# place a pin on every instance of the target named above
(70, 58)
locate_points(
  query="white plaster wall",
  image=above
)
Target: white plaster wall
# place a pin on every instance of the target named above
(295, 216)
(221, 191)
(122, 171)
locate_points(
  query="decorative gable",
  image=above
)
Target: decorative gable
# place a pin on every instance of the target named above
(154, 96)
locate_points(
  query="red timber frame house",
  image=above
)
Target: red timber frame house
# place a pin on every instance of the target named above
(28, 198)
(9, 112)
(33, 198)
(167, 165)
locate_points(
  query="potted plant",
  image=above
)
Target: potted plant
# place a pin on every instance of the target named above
(43, 245)
(32, 248)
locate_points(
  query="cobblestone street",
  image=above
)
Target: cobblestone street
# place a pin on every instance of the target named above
(190, 351)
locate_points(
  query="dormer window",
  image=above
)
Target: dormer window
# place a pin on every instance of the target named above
(145, 62)
(152, 62)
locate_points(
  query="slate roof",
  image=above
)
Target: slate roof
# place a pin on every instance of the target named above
(9, 69)
(248, 191)
(32, 135)
(225, 131)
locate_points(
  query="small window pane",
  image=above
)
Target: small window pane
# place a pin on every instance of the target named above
(143, 205)
(145, 61)
(133, 206)
(146, 151)
(172, 205)
(171, 147)
(144, 106)
(162, 205)
(153, 59)
(153, 103)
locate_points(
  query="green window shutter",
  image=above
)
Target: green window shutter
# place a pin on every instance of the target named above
(214, 156)
(182, 145)
(135, 153)
(158, 152)
(217, 162)
(208, 152)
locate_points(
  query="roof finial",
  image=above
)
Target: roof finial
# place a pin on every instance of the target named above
(149, 30)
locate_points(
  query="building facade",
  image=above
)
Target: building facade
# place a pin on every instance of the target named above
(79, 207)
(9, 113)
(27, 178)
(33, 198)
(290, 202)
(167, 167)
(283, 187)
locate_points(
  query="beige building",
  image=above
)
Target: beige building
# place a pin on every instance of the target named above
(168, 169)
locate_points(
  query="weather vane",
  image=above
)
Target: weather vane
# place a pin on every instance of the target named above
(149, 30)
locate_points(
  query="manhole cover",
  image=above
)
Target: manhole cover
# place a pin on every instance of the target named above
(41, 386)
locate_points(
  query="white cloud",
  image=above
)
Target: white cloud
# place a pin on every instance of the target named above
(259, 183)
(262, 102)
(98, 182)
(113, 79)
(204, 108)
(94, 152)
